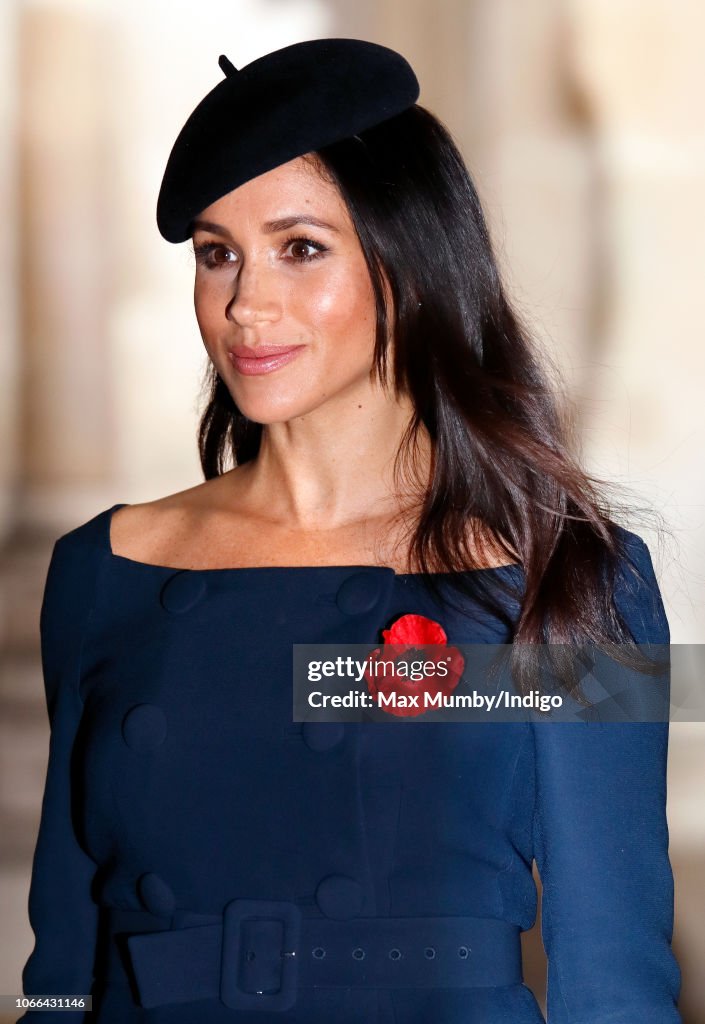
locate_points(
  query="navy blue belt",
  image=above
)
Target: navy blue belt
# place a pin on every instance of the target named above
(259, 953)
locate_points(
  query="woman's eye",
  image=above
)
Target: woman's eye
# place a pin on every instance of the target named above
(215, 255)
(296, 245)
(212, 254)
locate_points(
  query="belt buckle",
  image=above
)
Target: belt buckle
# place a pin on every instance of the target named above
(283, 953)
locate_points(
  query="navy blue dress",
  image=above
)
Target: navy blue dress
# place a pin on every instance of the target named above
(203, 859)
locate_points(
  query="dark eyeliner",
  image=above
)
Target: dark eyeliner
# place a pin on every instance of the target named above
(306, 241)
(203, 254)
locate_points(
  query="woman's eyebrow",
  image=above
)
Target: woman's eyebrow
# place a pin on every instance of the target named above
(269, 226)
(284, 223)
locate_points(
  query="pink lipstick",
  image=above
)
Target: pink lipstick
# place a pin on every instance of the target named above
(266, 359)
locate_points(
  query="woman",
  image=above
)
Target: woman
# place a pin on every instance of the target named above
(396, 450)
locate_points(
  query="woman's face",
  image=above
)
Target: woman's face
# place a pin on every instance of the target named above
(266, 278)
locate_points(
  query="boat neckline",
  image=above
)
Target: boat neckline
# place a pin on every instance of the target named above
(284, 568)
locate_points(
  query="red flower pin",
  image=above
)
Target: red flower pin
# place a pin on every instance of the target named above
(415, 669)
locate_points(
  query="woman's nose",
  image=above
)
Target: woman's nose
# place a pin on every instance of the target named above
(254, 296)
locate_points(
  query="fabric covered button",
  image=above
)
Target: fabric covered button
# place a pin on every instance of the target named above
(182, 591)
(156, 895)
(322, 735)
(359, 593)
(144, 727)
(339, 896)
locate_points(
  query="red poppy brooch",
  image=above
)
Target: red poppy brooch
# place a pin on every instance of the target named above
(414, 669)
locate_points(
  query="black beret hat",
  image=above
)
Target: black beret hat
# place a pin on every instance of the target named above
(280, 106)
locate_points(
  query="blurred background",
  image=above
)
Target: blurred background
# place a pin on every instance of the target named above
(582, 124)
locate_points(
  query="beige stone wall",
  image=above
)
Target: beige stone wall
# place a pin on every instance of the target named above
(65, 256)
(10, 355)
(639, 70)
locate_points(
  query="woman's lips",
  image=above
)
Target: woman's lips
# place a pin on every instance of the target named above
(249, 366)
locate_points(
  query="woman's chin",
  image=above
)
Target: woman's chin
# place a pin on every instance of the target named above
(270, 410)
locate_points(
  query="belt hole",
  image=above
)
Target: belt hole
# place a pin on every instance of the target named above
(318, 952)
(250, 954)
(429, 952)
(463, 952)
(358, 953)
(394, 954)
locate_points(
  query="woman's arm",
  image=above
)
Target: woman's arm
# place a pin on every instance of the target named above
(61, 912)
(601, 847)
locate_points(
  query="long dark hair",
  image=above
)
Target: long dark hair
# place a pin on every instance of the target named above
(502, 445)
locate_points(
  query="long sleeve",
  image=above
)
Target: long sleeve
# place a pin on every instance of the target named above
(61, 912)
(601, 848)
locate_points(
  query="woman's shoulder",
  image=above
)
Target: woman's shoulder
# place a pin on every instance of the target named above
(143, 530)
(637, 593)
(161, 530)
